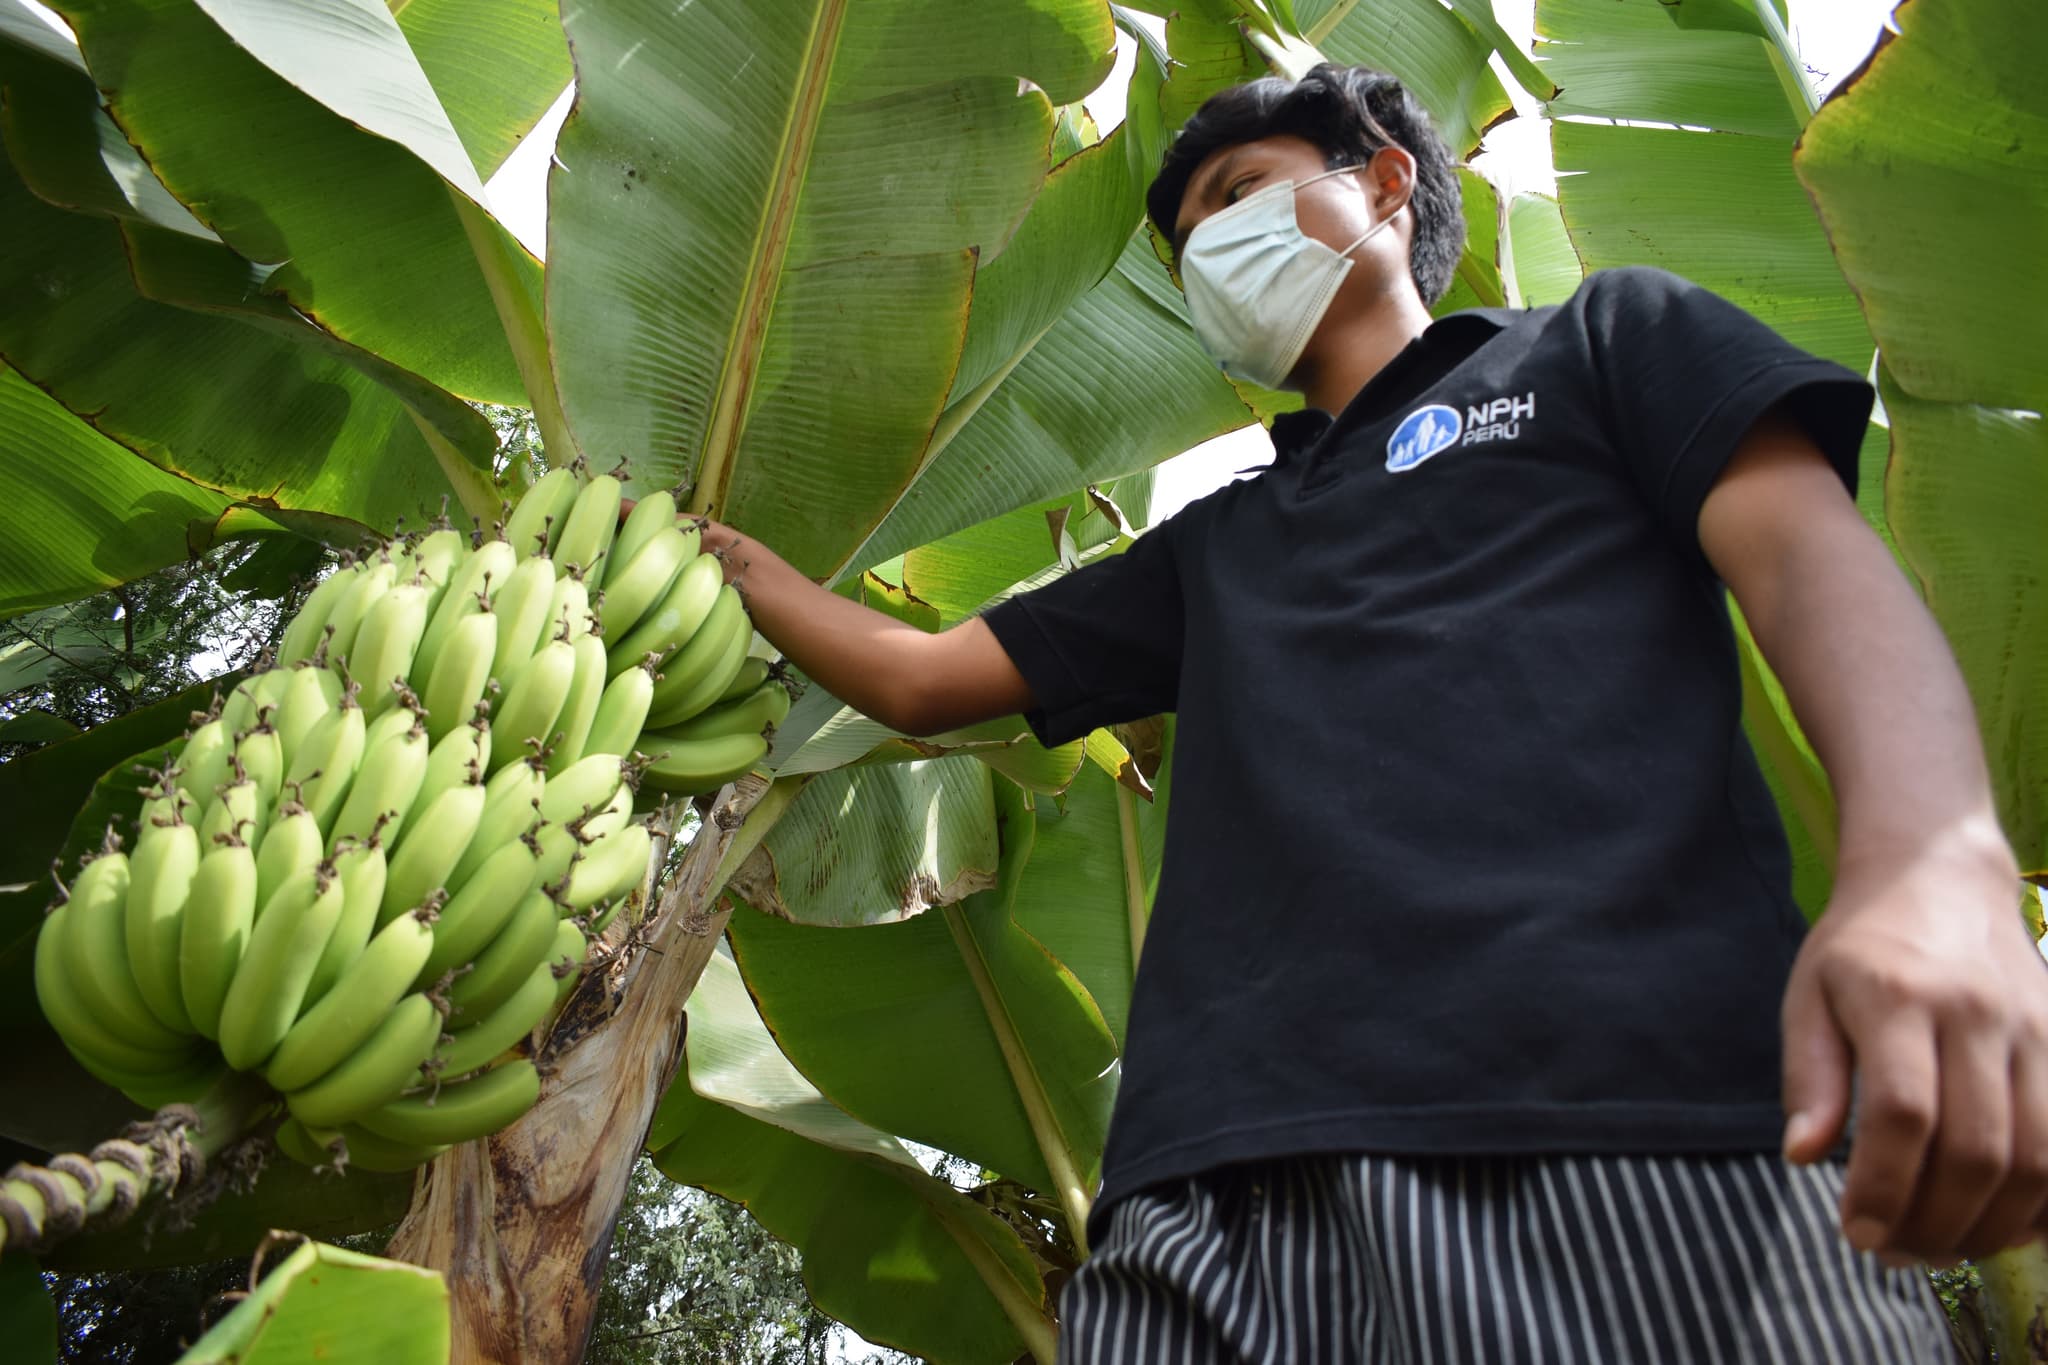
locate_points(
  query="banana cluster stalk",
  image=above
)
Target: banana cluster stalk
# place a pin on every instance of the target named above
(372, 873)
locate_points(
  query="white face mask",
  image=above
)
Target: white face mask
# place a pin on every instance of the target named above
(1258, 286)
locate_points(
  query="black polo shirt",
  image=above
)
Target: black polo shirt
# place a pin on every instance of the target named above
(1468, 852)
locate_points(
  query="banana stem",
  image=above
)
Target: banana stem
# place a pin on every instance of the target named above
(41, 1206)
(473, 487)
(1134, 871)
(1045, 1127)
(520, 316)
(1038, 1331)
(1785, 60)
(2016, 1288)
(1806, 786)
(1288, 55)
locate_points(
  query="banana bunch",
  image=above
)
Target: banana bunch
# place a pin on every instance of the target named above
(373, 873)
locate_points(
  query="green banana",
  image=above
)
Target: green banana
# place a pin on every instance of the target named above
(565, 961)
(506, 962)
(96, 1047)
(484, 1041)
(291, 932)
(692, 767)
(326, 764)
(386, 785)
(434, 562)
(457, 758)
(604, 914)
(372, 582)
(521, 609)
(536, 523)
(579, 710)
(302, 637)
(631, 592)
(523, 724)
(676, 618)
(261, 754)
(461, 674)
(203, 762)
(475, 579)
(592, 522)
(650, 516)
(240, 811)
(363, 872)
(376, 1071)
(372, 1153)
(218, 920)
(705, 666)
(368, 991)
(432, 848)
(386, 644)
(765, 706)
(474, 915)
(159, 879)
(621, 712)
(587, 786)
(509, 800)
(310, 693)
(569, 612)
(610, 868)
(238, 712)
(293, 1139)
(752, 674)
(566, 955)
(96, 956)
(292, 845)
(461, 1111)
(560, 844)
(396, 721)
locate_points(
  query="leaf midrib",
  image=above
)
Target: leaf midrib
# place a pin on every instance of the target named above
(771, 245)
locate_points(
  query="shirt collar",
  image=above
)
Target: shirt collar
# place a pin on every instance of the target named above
(1294, 432)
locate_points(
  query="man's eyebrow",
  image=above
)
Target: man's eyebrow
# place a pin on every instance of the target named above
(1201, 187)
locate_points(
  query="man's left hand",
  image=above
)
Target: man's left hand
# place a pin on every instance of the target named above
(1922, 983)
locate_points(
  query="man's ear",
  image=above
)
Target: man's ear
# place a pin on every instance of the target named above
(1391, 180)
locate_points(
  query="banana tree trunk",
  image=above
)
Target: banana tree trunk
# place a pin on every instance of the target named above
(521, 1224)
(2016, 1291)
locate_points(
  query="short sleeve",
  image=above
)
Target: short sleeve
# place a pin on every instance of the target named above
(1100, 644)
(1683, 375)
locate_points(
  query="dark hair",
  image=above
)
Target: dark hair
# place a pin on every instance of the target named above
(1350, 112)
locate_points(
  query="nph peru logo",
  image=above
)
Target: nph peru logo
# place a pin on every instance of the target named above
(1428, 431)
(1422, 433)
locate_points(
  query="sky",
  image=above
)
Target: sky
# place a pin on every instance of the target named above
(1833, 37)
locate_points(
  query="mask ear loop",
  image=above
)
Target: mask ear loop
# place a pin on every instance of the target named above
(1367, 235)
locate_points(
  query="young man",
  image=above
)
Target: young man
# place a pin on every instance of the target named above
(1476, 1021)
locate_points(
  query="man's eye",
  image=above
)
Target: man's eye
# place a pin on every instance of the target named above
(1237, 189)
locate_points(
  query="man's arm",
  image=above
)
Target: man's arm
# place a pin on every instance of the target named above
(908, 679)
(1920, 979)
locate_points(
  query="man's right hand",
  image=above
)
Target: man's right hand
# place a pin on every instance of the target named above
(913, 681)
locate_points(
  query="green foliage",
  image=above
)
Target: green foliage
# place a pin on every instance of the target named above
(149, 1317)
(87, 662)
(694, 1280)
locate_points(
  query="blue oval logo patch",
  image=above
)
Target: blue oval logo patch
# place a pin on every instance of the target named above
(1423, 433)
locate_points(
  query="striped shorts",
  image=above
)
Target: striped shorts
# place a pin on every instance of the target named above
(1609, 1260)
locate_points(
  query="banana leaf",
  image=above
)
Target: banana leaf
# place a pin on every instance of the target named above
(84, 514)
(769, 290)
(362, 228)
(876, 844)
(1949, 112)
(496, 66)
(888, 1249)
(330, 1304)
(980, 1043)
